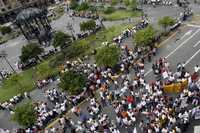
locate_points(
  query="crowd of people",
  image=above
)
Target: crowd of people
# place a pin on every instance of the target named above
(135, 102)
(10, 104)
(130, 31)
(138, 103)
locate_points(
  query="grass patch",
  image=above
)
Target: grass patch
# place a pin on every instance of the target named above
(17, 83)
(25, 81)
(120, 14)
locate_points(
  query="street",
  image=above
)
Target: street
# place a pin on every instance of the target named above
(186, 49)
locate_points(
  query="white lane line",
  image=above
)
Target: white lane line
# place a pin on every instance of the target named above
(196, 44)
(191, 25)
(182, 44)
(186, 34)
(188, 61)
(175, 49)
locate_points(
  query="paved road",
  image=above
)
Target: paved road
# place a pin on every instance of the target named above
(186, 49)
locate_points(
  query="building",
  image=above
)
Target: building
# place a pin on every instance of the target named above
(9, 8)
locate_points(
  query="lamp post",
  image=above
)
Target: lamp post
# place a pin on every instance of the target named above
(70, 28)
(3, 55)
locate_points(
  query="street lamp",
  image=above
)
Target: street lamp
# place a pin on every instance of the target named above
(70, 28)
(4, 55)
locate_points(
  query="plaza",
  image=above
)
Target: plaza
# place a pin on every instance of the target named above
(105, 67)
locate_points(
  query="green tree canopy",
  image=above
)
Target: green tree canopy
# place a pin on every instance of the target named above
(88, 25)
(107, 56)
(166, 21)
(130, 4)
(61, 39)
(30, 51)
(83, 6)
(5, 30)
(72, 82)
(145, 36)
(93, 9)
(114, 2)
(73, 4)
(25, 115)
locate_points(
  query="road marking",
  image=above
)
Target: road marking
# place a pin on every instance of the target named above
(196, 44)
(162, 43)
(175, 49)
(186, 34)
(188, 61)
(182, 44)
(191, 25)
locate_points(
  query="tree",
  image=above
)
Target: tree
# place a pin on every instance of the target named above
(93, 9)
(89, 25)
(25, 115)
(130, 4)
(73, 4)
(5, 30)
(83, 6)
(114, 2)
(72, 82)
(30, 51)
(166, 22)
(145, 36)
(61, 39)
(107, 56)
